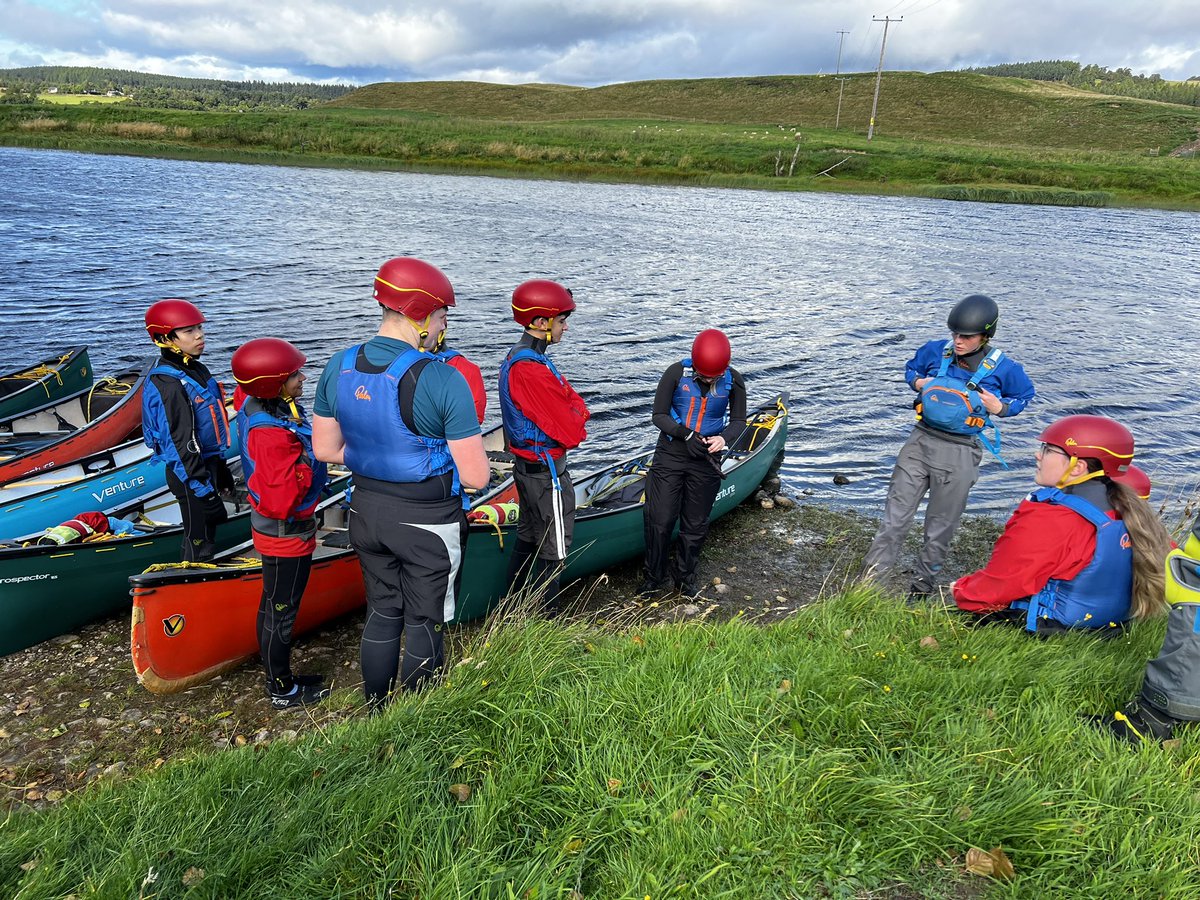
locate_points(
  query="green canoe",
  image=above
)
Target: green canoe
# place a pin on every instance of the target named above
(51, 380)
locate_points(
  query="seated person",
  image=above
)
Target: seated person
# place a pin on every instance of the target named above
(1083, 550)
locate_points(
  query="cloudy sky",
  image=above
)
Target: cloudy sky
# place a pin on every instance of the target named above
(586, 42)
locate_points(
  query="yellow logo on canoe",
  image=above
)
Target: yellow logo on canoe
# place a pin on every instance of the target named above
(173, 625)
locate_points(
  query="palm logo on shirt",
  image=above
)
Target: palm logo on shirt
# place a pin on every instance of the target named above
(361, 393)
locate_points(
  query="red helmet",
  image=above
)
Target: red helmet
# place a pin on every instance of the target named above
(540, 298)
(166, 315)
(1094, 437)
(710, 353)
(263, 365)
(413, 287)
(1137, 480)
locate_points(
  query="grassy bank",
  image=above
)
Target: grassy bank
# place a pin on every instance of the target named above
(841, 752)
(948, 135)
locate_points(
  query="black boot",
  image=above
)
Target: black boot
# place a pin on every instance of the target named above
(1137, 722)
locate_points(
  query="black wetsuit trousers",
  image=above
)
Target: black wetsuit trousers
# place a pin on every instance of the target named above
(411, 555)
(679, 488)
(284, 580)
(201, 516)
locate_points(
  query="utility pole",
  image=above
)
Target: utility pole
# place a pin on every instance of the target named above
(886, 20)
(841, 81)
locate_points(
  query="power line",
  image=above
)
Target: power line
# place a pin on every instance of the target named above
(886, 20)
(841, 81)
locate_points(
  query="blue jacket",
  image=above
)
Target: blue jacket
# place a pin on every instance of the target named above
(211, 427)
(1007, 381)
(378, 443)
(706, 414)
(1099, 596)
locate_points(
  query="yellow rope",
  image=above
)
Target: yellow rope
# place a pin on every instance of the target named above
(107, 385)
(238, 562)
(39, 373)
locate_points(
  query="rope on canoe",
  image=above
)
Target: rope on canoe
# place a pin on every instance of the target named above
(107, 385)
(40, 373)
(238, 562)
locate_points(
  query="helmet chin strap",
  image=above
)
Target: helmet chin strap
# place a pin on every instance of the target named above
(423, 332)
(164, 344)
(291, 405)
(1066, 481)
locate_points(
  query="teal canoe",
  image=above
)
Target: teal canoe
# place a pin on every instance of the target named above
(190, 624)
(49, 381)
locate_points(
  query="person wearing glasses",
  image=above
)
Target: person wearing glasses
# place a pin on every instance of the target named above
(1081, 551)
(961, 384)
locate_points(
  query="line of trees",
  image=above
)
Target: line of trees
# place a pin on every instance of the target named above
(1122, 82)
(165, 91)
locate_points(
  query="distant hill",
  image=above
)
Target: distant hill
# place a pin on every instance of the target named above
(1119, 82)
(943, 106)
(171, 92)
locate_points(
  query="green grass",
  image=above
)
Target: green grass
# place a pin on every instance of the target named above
(830, 755)
(946, 135)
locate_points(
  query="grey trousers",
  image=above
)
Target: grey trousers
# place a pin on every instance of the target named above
(944, 469)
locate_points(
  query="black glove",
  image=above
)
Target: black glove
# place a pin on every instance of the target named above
(696, 446)
(222, 478)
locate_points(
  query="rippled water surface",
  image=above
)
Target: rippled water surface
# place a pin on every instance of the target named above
(823, 296)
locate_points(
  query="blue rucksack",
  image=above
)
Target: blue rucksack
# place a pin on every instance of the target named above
(951, 405)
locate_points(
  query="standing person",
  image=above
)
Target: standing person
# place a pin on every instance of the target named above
(284, 482)
(405, 425)
(1082, 551)
(699, 409)
(185, 425)
(961, 384)
(543, 419)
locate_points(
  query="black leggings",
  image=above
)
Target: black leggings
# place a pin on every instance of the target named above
(284, 580)
(201, 516)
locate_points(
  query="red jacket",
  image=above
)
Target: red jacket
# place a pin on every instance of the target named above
(1041, 541)
(474, 377)
(280, 480)
(551, 405)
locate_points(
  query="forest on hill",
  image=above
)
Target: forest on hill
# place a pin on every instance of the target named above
(1121, 82)
(165, 91)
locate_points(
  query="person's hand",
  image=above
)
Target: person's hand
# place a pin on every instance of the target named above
(716, 443)
(921, 382)
(222, 478)
(991, 402)
(696, 446)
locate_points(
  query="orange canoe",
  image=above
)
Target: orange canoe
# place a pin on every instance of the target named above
(187, 631)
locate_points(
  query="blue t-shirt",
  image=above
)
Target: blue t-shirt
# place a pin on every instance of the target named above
(1007, 381)
(443, 406)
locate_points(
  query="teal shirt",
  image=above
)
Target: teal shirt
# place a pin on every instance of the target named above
(443, 406)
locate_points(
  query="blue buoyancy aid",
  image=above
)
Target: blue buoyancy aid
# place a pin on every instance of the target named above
(378, 443)
(208, 412)
(704, 413)
(253, 415)
(1099, 596)
(520, 431)
(948, 403)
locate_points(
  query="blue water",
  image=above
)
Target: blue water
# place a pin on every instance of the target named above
(824, 296)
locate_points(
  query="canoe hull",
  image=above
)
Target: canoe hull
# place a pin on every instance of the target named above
(116, 424)
(49, 591)
(60, 378)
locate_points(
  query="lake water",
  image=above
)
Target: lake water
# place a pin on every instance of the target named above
(824, 296)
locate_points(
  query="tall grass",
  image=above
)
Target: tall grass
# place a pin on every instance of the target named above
(835, 754)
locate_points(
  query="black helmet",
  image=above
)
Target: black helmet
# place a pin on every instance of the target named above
(976, 314)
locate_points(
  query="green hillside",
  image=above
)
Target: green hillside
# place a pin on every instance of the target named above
(944, 106)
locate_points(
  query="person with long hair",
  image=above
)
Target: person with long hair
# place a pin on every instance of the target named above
(1084, 550)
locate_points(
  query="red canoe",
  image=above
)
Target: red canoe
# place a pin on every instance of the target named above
(63, 432)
